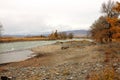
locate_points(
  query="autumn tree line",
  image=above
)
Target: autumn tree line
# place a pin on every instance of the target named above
(60, 35)
(107, 28)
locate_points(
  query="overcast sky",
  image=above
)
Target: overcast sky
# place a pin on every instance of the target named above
(33, 16)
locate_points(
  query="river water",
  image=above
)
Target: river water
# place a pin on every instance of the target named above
(18, 51)
(12, 46)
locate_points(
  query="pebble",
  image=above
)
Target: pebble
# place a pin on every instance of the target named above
(70, 78)
(114, 64)
(84, 71)
(118, 70)
(76, 71)
(98, 65)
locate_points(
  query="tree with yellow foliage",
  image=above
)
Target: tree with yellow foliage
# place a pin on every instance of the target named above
(100, 28)
(115, 23)
(107, 27)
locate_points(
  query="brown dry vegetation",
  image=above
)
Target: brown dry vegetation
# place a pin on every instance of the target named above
(107, 27)
(111, 59)
(111, 50)
(52, 36)
(14, 39)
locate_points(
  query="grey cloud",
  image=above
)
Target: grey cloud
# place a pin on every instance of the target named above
(30, 16)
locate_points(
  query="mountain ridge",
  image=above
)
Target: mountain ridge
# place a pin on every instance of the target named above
(76, 33)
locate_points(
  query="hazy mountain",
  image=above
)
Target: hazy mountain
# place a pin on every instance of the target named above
(77, 33)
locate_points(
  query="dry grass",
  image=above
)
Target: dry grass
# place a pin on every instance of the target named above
(14, 39)
(111, 51)
(107, 73)
(111, 55)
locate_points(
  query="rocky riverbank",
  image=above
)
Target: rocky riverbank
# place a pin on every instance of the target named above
(54, 63)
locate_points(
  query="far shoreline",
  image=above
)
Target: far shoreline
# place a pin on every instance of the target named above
(23, 39)
(20, 39)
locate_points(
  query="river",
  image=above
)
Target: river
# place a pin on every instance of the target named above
(18, 51)
(13, 46)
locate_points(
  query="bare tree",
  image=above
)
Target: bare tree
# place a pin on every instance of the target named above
(107, 9)
(62, 35)
(100, 29)
(70, 35)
